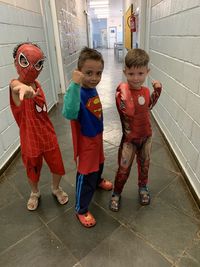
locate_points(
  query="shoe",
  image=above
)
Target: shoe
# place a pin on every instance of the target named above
(144, 196)
(33, 201)
(105, 185)
(60, 195)
(86, 219)
(115, 202)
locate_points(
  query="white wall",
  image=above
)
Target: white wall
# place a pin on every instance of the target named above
(175, 61)
(73, 32)
(20, 21)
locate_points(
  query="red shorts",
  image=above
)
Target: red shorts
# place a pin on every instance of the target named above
(53, 159)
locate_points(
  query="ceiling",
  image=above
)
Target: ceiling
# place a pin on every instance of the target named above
(105, 8)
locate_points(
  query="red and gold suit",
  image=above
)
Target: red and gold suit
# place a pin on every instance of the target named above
(133, 107)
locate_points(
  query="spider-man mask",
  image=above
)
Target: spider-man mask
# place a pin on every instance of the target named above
(29, 62)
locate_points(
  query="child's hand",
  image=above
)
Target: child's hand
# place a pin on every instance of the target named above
(24, 91)
(156, 84)
(77, 77)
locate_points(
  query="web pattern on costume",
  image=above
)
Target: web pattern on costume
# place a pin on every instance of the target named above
(37, 134)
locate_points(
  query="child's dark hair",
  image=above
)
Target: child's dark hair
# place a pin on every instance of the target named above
(20, 44)
(136, 58)
(89, 53)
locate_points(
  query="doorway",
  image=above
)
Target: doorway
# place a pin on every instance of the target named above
(104, 39)
(112, 36)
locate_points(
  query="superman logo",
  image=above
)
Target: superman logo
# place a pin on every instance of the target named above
(94, 106)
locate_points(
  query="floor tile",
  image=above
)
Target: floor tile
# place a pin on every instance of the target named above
(16, 223)
(191, 258)
(166, 228)
(41, 249)
(81, 240)
(124, 248)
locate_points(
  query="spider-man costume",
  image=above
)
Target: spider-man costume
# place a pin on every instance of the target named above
(37, 135)
(133, 107)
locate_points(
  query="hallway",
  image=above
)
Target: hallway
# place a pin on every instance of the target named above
(166, 233)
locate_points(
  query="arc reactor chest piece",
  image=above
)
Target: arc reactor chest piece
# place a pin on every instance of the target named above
(141, 100)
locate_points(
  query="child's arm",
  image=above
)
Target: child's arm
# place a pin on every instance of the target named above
(157, 86)
(20, 91)
(71, 105)
(124, 103)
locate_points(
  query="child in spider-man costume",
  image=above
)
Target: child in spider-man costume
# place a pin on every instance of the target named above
(133, 102)
(37, 136)
(82, 105)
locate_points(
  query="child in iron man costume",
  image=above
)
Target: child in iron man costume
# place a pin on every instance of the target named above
(37, 135)
(83, 107)
(134, 102)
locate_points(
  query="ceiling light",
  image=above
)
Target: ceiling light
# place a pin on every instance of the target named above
(98, 3)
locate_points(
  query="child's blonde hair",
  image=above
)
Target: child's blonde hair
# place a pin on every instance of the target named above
(136, 58)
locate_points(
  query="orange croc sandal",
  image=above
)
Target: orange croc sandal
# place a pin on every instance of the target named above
(86, 219)
(105, 185)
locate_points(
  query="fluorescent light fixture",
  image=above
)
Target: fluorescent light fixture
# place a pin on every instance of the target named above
(102, 6)
(98, 3)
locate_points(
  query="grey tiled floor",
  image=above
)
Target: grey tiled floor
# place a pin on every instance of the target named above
(166, 233)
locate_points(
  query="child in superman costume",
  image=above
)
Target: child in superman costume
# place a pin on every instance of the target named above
(83, 107)
(37, 136)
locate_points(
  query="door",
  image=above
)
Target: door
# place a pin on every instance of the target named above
(112, 36)
(104, 40)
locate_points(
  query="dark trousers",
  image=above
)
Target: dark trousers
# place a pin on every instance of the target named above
(85, 188)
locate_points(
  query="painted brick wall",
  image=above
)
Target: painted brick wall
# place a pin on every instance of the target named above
(175, 60)
(73, 32)
(19, 21)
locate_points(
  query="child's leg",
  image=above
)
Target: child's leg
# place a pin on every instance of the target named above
(143, 160)
(33, 168)
(34, 186)
(103, 183)
(55, 163)
(126, 155)
(85, 188)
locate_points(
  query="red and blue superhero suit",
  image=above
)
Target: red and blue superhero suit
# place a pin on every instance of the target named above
(133, 107)
(37, 135)
(83, 107)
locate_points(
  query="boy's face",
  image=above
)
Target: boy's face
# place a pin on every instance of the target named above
(136, 76)
(92, 71)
